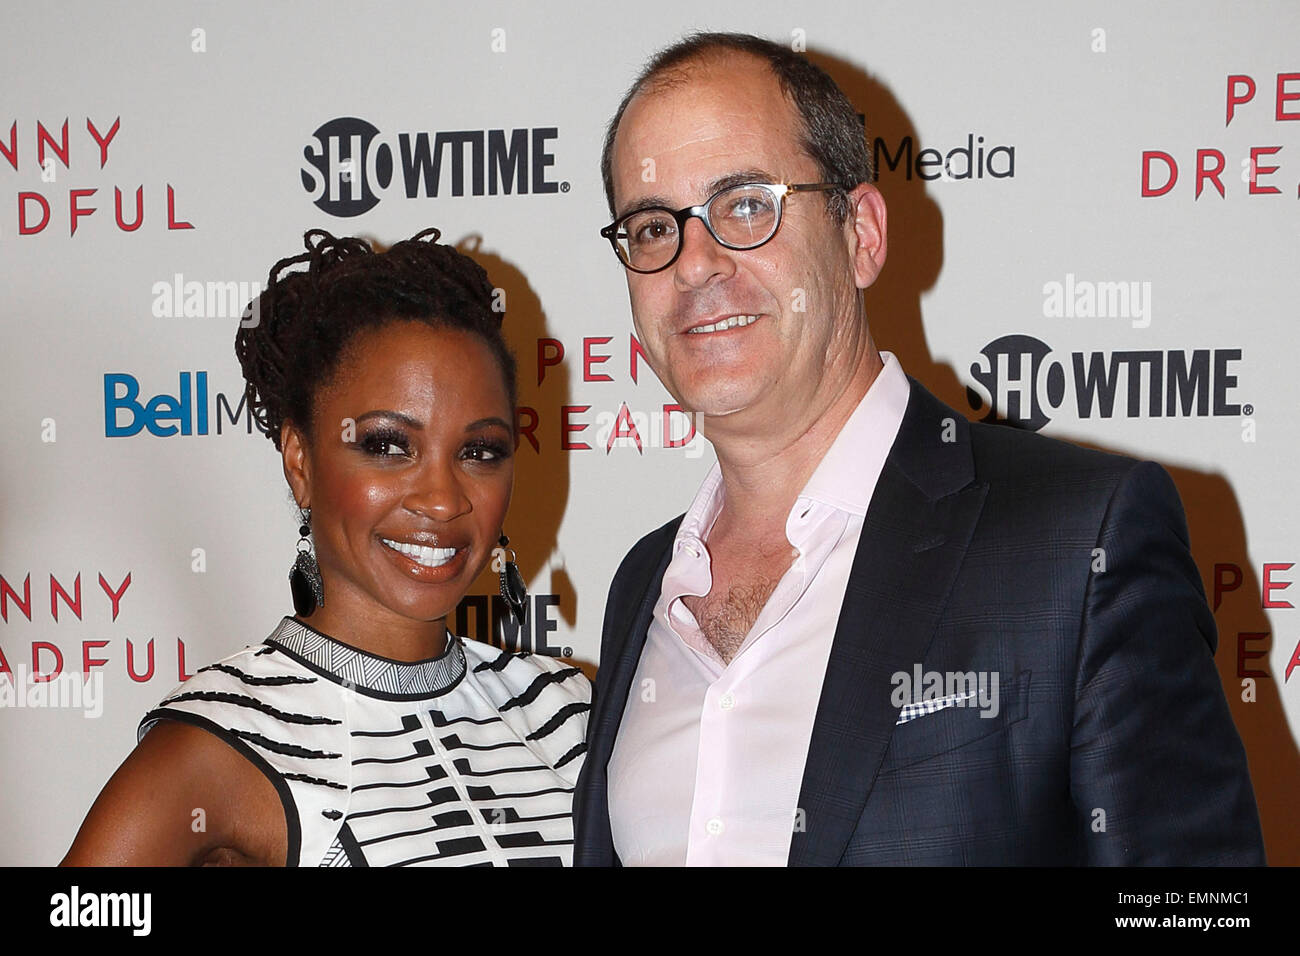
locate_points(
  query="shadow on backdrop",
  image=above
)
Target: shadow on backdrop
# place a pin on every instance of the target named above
(1218, 534)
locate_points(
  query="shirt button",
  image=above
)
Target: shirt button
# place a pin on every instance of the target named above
(728, 701)
(690, 549)
(714, 827)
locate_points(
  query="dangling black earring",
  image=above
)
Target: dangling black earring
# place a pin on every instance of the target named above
(513, 590)
(304, 577)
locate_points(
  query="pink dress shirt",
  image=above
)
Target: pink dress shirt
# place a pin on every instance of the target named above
(709, 759)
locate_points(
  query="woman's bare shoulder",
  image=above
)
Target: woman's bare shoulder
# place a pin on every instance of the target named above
(184, 796)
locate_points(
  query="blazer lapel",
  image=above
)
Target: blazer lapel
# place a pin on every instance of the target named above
(914, 537)
(628, 611)
(640, 592)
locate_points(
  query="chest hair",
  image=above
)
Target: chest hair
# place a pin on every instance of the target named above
(739, 593)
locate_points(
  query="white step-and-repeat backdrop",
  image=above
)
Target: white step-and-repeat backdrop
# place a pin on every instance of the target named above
(1094, 213)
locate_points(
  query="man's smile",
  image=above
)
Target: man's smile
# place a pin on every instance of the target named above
(723, 324)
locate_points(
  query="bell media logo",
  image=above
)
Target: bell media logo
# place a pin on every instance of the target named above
(349, 165)
(1018, 379)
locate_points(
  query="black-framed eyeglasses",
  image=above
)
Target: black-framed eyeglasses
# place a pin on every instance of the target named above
(738, 217)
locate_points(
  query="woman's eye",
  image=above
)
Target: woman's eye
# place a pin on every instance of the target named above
(485, 451)
(385, 444)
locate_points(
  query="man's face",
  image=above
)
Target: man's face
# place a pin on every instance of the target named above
(729, 122)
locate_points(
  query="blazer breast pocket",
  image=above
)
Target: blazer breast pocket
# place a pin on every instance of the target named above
(928, 735)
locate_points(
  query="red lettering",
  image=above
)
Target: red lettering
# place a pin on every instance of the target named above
(43, 139)
(634, 352)
(37, 675)
(1221, 585)
(139, 209)
(56, 589)
(87, 662)
(172, 222)
(4, 665)
(24, 603)
(1235, 99)
(1203, 172)
(115, 596)
(75, 211)
(566, 427)
(1171, 166)
(1291, 664)
(526, 429)
(545, 360)
(588, 359)
(1284, 97)
(11, 151)
(1271, 585)
(103, 141)
(669, 441)
(624, 427)
(130, 663)
(1244, 655)
(1257, 170)
(180, 662)
(25, 228)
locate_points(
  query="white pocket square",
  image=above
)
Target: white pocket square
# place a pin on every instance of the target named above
(921, 708)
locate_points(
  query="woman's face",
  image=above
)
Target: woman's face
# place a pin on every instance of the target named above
(408, 473)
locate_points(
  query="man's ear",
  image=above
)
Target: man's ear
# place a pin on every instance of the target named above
(868, 223)
(297, 467)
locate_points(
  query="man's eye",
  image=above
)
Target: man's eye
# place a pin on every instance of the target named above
(651, 229)
(748, 207)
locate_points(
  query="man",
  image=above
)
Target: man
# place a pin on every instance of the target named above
(880, 634)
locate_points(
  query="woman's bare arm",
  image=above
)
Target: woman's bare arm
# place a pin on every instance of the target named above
(184, 797)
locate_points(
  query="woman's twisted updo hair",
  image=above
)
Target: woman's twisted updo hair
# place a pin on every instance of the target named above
(305, 318)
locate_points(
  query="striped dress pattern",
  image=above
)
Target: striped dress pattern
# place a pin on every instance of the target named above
(466, 759)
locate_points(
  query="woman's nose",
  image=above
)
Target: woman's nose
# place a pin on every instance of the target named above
(438, 492)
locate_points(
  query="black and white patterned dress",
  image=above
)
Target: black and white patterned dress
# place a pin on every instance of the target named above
(468, 759)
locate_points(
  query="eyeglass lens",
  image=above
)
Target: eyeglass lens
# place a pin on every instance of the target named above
(741, 217)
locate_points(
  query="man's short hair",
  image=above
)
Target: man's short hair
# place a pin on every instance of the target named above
(833, 129)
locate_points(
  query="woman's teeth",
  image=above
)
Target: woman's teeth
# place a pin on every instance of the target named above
(730, 322)
(422, 554)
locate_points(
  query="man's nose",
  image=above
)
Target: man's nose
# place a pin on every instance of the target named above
(438, 491)
(702, 258)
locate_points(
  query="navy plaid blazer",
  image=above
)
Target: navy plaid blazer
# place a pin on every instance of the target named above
(987, 549)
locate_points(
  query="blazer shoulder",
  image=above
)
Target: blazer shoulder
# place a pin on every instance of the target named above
(1005, 452)
(1049, 483)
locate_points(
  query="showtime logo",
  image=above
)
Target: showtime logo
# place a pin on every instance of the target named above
(349, 166)
(1019, 379)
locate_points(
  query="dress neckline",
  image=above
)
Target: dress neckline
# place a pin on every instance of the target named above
(368, 673)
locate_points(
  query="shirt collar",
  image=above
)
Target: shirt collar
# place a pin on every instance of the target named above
(703, 511)
(846, 476)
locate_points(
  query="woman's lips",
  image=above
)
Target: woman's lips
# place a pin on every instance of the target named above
(421, 554)
(428, 563)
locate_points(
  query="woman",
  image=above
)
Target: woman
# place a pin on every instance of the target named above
(361, 732)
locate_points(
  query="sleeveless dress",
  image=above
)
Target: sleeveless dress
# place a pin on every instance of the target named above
(466, 759)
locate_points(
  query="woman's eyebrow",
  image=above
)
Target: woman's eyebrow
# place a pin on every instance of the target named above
(389, 413)
(488, 423)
